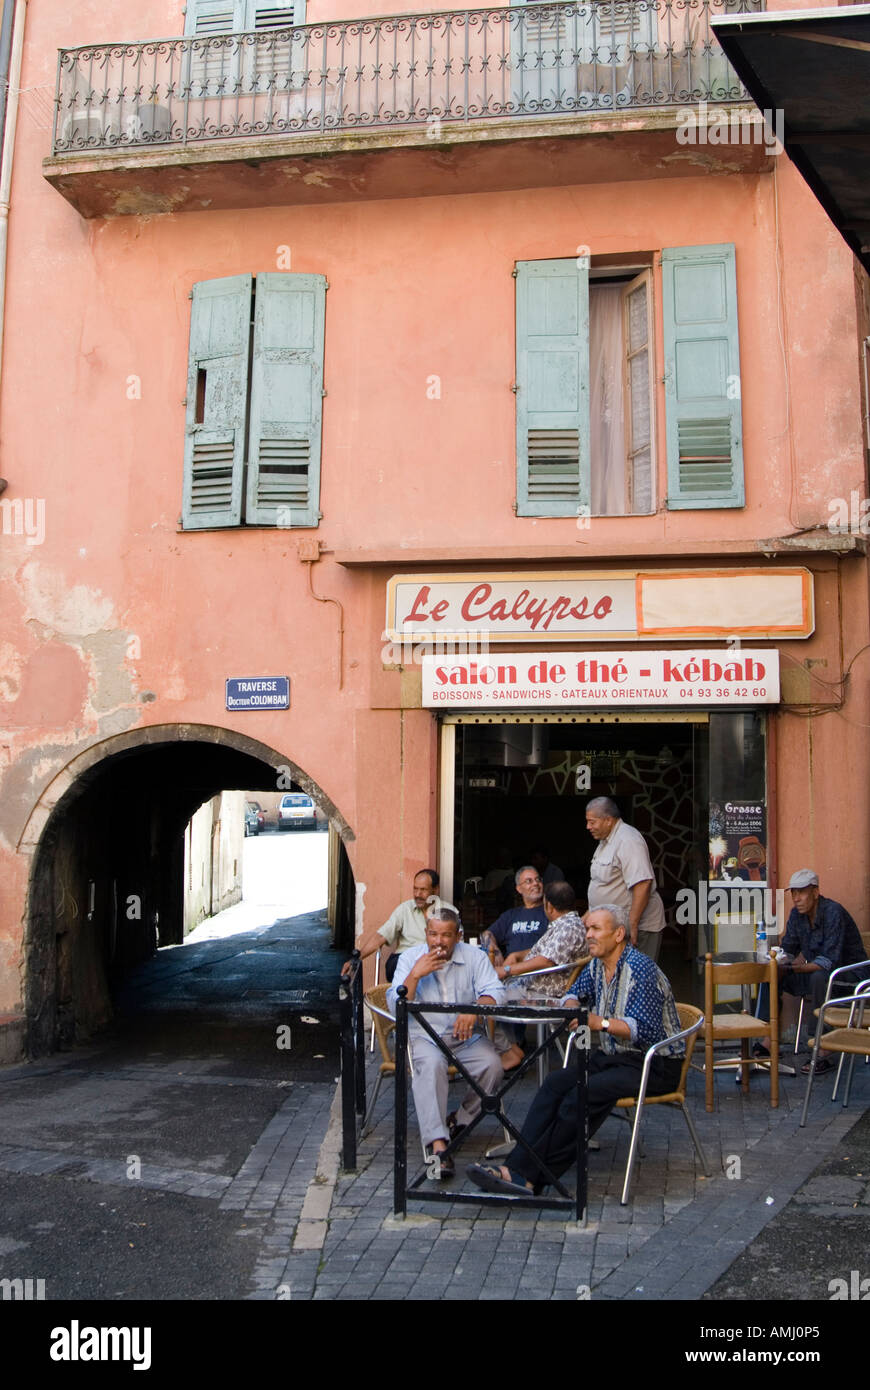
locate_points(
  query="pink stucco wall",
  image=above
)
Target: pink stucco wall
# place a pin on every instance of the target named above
(118, 602)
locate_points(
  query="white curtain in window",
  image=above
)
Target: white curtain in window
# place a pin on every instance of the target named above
(606, 406)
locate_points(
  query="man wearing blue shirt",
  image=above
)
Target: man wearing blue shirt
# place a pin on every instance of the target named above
(445, 971)
(519, 929)
(819, 936)
(631, 1007)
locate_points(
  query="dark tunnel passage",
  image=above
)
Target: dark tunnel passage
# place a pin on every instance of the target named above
(107, 879)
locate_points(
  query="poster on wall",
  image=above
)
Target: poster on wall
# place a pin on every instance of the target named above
(738, 842)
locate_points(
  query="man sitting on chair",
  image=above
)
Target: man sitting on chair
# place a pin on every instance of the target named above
(563, 942)
(819, 936)
(632, 1007)
(446, 971)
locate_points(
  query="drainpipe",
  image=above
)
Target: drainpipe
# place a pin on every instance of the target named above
(13, 86)
(5, 51)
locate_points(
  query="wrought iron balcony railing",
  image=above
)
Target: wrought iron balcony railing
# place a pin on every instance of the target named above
(398, 71)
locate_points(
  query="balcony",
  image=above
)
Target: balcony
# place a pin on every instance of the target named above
(240, 119)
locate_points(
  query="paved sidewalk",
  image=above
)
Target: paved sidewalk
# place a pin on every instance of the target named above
(679, 1234)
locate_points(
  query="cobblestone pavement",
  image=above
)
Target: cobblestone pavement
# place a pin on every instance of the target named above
(190, 1158)
(819, 1245)
(172, 1158)
(674, 1240)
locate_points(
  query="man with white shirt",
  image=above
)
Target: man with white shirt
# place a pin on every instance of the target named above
(445, 971)
(621, 872)
(406, 924)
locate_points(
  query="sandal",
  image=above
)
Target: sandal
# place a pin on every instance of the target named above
(491, 1180)
(822, 1065)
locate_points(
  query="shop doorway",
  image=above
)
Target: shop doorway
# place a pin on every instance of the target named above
(521, 784)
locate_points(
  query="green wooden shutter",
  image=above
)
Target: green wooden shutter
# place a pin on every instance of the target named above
(205, 17)
(272, 14)
(552, 388)
(702, 377)
(286, 401)
(213, 68)
(279, 63)
(217, 388)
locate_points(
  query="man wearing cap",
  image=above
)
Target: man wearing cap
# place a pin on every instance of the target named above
(819, 937)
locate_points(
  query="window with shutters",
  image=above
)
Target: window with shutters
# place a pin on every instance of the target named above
(585, 384)
(220, 66)
(254, 402)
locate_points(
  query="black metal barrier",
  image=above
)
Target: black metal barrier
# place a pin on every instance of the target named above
(490, 1104)
(353, 1059)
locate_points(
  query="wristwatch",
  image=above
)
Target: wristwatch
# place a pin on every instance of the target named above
(605, 1025)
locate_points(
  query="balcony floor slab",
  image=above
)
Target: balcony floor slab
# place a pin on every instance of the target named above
(393, 162)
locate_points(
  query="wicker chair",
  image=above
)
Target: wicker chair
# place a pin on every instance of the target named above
(851, 1041)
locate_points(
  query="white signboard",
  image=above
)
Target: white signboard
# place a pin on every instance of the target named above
(580, 680)
(602, 605)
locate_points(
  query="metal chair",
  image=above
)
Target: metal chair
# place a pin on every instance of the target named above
(804, 999)
(742, 1026)
(383, 1025)
(853, 1040)
(574, 968)
(691, 1021)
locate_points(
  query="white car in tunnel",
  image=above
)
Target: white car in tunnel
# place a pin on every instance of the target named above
(295, 810)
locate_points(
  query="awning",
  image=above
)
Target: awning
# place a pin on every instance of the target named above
(814, 67)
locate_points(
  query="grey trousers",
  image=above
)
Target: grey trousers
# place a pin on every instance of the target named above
(479, 1059)
(650, 943)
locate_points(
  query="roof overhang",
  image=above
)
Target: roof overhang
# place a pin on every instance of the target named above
(813, 66)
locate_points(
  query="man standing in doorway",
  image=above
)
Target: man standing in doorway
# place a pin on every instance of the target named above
(406, 925)
(621, 872)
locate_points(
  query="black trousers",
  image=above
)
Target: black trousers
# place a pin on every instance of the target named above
(811, 985)
(551, 1124)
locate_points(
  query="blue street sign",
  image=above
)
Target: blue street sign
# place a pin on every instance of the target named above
(258, 692)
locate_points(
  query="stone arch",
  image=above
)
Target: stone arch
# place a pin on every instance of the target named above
(68, 777)
(110, 823)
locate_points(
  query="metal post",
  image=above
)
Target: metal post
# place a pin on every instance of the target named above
(359, 1041)
(348, 1114)
(400, 1161)
(582, 1055)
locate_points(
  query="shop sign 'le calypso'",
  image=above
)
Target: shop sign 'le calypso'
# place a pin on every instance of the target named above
(604, 605)
(644, 677)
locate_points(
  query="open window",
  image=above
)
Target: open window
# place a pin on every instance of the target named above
(585, 383)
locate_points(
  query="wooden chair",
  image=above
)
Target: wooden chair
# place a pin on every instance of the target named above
(852, 1041)
(691, 1023)
(743, 1026)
